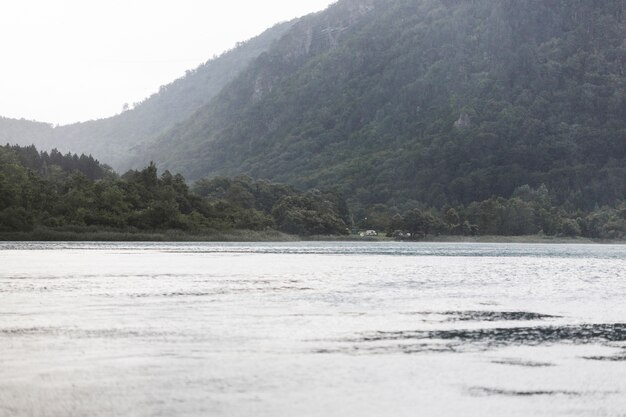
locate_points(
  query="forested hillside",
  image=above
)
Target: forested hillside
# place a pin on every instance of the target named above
(44, 195)
(117, 139)
(435, 102)
(54, 196)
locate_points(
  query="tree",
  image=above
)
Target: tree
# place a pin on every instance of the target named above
(418, 223)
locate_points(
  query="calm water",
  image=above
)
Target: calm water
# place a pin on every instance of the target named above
(312, 329)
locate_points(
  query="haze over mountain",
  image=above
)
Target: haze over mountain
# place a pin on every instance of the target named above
(444, 102)
(116, 139)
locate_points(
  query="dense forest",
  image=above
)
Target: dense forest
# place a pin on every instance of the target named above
(427, 101)
(56, 192)
(41, 191)
(530, 211)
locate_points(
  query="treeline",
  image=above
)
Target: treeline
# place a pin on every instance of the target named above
(61, 192)
(51, 191)
(45, 164)
(315, 212)
(530, 211)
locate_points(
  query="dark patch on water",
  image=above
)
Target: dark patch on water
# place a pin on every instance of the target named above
(379, 350)
(453, 316)
(220, 292)
(519, 362)
(496, 316)
(481, 339)
(585, 333)
(483, 391)
(609, 358)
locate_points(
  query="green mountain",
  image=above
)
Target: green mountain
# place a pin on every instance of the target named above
(118, 139)
(444, 102)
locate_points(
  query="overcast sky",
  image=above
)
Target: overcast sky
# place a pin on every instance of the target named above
(73, 60)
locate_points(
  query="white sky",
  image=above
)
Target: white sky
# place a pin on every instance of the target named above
(73, 60)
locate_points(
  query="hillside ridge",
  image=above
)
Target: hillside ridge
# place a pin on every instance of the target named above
(440, 102)
(118, 138)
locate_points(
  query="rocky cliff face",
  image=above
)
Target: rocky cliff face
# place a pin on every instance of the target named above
(320, 32)
(310, 36)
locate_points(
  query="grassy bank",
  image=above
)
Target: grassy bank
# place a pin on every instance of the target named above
(87, 235)
(519, 239)
(470, 239)
(94, 235)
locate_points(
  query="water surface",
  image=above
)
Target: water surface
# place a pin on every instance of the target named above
(312, 329)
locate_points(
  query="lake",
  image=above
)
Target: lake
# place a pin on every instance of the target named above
(312, 329)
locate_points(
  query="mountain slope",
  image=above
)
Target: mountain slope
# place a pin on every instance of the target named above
(23, 132)
(441, 101)
(117, 138)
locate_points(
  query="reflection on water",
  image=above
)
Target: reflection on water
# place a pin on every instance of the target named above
(312, 329)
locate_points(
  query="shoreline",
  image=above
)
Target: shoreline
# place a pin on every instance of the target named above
(162, 236)
(474, 239)
(46, 235)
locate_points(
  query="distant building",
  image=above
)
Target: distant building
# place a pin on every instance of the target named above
(368, 233)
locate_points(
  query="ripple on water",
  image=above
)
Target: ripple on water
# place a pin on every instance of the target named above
(233, 326)
(520, 362)
(620, 357)
(462, 340)
(484, 391)
(452, 316)
(77, 333)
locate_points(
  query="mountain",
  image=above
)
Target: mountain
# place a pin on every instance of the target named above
(116, 139)
(444, 102)
(24, 132)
